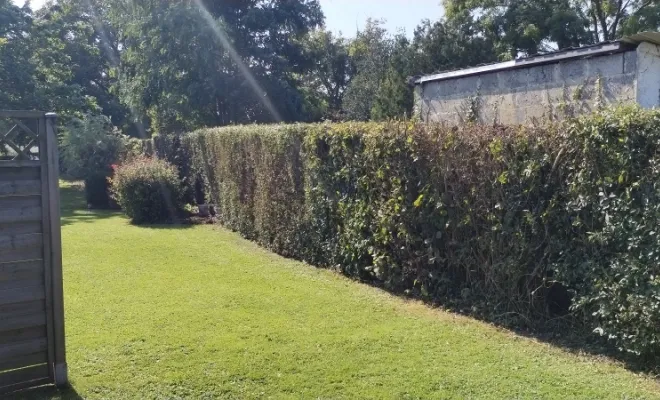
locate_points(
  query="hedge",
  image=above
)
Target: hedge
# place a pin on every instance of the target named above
(520, 225)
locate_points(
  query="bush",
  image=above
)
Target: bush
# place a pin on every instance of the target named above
(97, 191)
(517, 225)
(168, 147)
(89, 147)
(148, 190)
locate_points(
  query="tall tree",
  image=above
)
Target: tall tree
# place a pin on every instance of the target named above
(18, 86)
(214, 63)
(370, 52)
(527, 27)
(331, 71)
(394, 97)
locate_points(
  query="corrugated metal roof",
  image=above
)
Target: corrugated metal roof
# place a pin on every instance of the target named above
(548, 58)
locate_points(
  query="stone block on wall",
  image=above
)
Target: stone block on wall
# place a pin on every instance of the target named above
(629, 62)
(514, 79)
(609, 65)
(572, 71)
(489, 83)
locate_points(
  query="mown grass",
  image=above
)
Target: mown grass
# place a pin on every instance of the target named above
(198, 312)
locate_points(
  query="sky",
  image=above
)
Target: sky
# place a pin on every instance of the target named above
(347, 16)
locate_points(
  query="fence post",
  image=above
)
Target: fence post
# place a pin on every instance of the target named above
(61, 376)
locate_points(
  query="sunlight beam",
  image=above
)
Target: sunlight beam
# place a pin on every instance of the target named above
(224, 42)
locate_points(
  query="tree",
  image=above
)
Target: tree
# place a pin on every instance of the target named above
(90, 44)
(18, 86)
(370, 52)
(331, 72)
(452, 44)
(611, 19)
(214, 63)
(521, 27)
(51, 60)
(394, 97)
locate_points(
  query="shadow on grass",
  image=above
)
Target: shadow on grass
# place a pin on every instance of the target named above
(44, 393)
(561, 332)
(74, 210)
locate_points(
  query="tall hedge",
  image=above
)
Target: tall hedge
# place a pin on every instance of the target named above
(507, 222)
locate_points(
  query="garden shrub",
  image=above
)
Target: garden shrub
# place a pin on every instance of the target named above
(148, 190)
(89, 147)
(519, 225)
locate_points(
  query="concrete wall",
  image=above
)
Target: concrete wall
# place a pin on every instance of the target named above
(648, 75)
(545, 91)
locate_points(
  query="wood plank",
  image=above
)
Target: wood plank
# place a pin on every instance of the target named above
(21, 114)
(10, 322)
(22, 295)
(22, 322)
(19, 271)
(22, 254)
(13, 242)
(19, 173)
(22, 334)
(21, 283)
(24, 308)
(60, 366)
(24, 361)
(46, 198)
(19, 388)
(21, 247)
(20, 209)
(20, 187)
(23, 348)
(23, 375)
(18, 163)
(20, 228)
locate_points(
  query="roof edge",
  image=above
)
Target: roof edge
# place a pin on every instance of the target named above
(582, 52)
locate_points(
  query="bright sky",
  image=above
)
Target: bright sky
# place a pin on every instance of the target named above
(347, 16)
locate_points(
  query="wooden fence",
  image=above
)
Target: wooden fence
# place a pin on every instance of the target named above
(32, 349)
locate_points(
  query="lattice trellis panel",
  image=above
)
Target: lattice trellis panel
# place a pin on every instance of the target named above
(19, 139)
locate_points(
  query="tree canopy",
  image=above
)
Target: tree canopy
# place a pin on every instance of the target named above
(154, 66)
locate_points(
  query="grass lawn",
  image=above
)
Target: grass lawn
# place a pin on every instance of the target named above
(198, 312)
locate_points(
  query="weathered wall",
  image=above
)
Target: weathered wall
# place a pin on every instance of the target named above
(648, 75)
(546, 91)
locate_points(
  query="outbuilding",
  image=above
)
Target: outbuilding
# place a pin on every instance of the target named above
(552, 85)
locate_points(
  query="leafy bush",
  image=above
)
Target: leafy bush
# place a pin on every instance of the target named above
(518, 225)
(168, 147)
(148, 190)
(89, 147)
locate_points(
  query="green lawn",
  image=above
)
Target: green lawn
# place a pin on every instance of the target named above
(199, 312)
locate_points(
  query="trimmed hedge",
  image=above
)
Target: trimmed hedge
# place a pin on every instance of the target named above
(520, 225)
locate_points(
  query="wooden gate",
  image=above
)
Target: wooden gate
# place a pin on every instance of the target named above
(31, 305)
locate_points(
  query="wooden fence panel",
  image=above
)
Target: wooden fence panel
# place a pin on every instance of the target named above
(31, 301)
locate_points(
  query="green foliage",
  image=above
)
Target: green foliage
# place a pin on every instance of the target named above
(89, 148)
(196, 312)
(613, 200)
(514, 224)
(331, 72)
(169, 148)
(210, 63)
(148, 190)
(530, 27)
